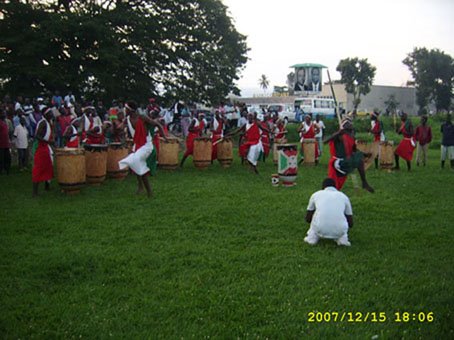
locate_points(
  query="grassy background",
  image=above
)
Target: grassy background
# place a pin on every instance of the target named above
(220, 253)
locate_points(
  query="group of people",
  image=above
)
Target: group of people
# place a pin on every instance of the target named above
(329, 211)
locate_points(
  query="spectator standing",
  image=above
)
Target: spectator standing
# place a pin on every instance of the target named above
(70, 99)
(57, 100)
(5, 145)
(319, 135)
(423, 136)
(447, 142)
(21, 142)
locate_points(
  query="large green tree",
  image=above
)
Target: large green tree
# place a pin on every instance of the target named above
(113, 48)
(433, 72)
(357, 75)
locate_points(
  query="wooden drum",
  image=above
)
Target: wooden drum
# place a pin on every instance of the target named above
(168, 153)
(115, 153)
(287, 164)
(366, 149)
(386, 155)
(275, 145)
(95, 163)
(225, 152)
(202, 152)
(70, 169)
(309, 146)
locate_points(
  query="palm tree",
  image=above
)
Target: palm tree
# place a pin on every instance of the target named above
(264, 82)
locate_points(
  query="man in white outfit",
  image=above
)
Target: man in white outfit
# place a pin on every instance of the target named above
(330, 215)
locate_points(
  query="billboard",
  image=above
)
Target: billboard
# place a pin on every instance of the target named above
(308, 77)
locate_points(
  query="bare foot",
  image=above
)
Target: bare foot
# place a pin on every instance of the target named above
(367, 187)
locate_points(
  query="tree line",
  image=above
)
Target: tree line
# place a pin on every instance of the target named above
(107, 49)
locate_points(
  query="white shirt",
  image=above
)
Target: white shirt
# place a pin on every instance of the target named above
(69, 99)
(321, 126)
(242, 121)
(330, 207)
(21, 135)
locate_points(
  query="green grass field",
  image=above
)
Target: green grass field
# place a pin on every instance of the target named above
(220, 253)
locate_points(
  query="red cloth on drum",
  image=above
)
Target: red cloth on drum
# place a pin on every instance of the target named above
(349, 145)
(265, 137)
(252, 137)
(43, 169)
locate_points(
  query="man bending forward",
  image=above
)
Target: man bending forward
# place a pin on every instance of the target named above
(330, 215)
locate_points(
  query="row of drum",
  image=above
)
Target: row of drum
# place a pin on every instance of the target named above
(92, 164)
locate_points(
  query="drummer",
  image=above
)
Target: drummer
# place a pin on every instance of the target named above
(407, 145)
(42, 153)
(195, 129)
(265, 136)
(252, 146)
(308, 130)
(143, 158)
(376, 128)
(217, 132)
(90, 121)
(157, 136)
(280, 131)
(71, 134)
(118, 128)
(95, 135)
(344, 156)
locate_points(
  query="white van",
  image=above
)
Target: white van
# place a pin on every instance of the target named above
(285, 111)
(317, 106)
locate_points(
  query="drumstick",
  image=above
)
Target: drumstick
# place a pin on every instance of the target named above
(218, 141)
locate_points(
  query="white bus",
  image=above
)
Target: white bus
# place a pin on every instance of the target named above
(324, 107)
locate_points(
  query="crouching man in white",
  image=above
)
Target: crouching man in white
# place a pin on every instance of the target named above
(330, 214)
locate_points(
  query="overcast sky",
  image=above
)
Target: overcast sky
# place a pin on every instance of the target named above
(281, 33)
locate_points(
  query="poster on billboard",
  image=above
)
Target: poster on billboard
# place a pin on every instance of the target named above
(308, 77)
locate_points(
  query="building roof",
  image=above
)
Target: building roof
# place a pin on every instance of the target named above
(307, 65)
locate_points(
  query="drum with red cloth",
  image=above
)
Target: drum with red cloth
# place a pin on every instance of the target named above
(287, 164)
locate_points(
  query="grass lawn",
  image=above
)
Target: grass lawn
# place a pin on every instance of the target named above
(220, 253)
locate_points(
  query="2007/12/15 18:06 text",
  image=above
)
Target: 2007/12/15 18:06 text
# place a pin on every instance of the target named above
(403, 317)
